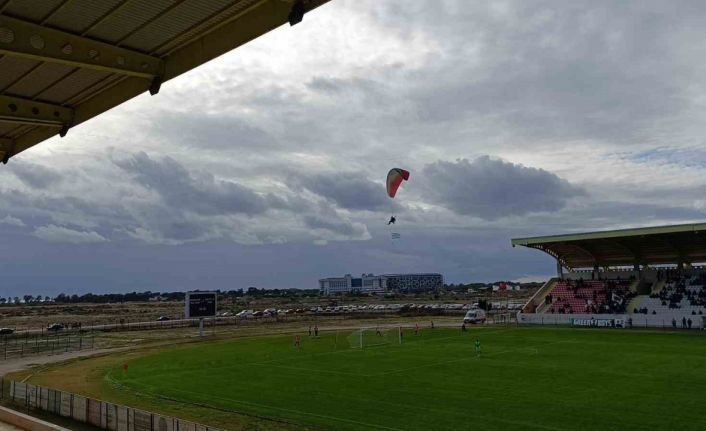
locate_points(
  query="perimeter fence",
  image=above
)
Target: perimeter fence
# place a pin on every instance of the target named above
(27, 344)
(100, 414)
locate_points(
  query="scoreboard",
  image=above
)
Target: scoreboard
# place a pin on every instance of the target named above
(200, 304)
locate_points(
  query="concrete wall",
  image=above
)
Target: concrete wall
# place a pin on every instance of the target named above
(638, 320)
(25, 422)
(99, 413)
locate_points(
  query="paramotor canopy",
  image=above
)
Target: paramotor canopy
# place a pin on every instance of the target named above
(394, 180)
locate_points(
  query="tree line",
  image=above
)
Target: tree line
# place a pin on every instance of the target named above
(105, 298)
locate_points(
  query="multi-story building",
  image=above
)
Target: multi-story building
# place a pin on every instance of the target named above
(369, 283)
(366, 283)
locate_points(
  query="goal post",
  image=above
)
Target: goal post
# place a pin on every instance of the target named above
(371, 336)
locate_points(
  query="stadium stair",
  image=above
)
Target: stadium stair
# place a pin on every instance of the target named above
(536, 302)
(636, 302)
(634, 285)
(658, 286)
(543, 308)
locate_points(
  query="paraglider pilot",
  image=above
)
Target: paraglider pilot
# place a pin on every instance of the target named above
(392, 220)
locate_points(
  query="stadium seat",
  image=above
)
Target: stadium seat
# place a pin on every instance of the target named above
(591, 296)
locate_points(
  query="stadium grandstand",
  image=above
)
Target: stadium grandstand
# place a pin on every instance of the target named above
(653, 277)
(64, 62)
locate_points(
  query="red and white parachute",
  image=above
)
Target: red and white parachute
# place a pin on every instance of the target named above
(394, 180)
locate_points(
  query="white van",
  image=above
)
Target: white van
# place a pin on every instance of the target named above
(474, 316)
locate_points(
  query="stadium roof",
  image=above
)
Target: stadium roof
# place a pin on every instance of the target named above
(63, 62)
(625, 247)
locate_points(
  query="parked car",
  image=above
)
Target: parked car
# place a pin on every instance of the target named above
(6, 331)
(245, 314)
(162, 319)
(55, 327)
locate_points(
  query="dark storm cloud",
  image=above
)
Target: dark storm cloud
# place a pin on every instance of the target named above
(34, 175)
(334, 225)
(327, 219)
(349, 190)
(202, 194)
(492, 189)
(328, 85)
(571, 70)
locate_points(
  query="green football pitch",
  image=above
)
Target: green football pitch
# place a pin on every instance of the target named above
(525, 378)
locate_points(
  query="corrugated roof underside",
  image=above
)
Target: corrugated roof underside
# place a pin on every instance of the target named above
(156, 27)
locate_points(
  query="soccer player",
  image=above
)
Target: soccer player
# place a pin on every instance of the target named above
(477, 347)
(297, 341)
(310, 330)
(432, 324)
(316, 330)
(416, 329)
(377, 331)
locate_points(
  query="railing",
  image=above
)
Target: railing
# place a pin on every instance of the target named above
(44, 344)
(537, 299)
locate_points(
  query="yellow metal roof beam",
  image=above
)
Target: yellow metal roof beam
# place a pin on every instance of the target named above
(26, 111)
(23, 39)
(7, 146)
(253, 22)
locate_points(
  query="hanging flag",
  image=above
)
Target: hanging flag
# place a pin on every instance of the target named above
(395, 235)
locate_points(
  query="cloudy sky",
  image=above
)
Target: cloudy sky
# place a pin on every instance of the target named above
(266, 167)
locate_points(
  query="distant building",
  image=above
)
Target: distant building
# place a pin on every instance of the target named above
(369, 283)
(366, 283)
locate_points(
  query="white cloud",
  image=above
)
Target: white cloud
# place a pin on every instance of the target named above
(12, 221)
(54, 233)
